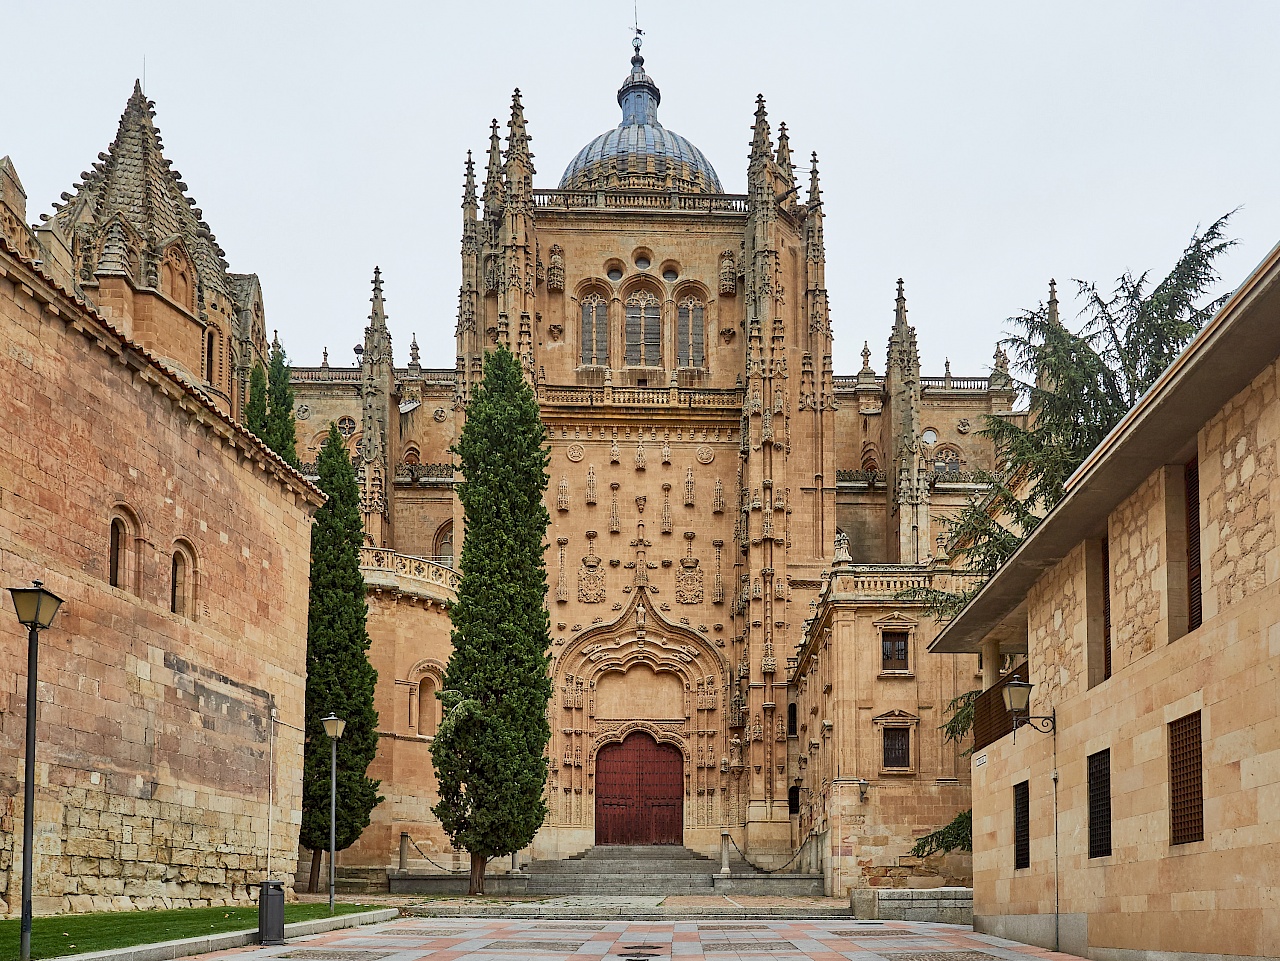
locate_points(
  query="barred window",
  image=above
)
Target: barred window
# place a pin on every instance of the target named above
(690, 333)
(595, 330)
(897, 747)
(1186, 780)
(1100, 804)
(1195, 607)
(893, 651)
(1022, 825)
(644, 330)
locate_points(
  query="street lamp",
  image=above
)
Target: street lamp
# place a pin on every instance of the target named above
(333, 726)
(35, 607)
(1017, 700)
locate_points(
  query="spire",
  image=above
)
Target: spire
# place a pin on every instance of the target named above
(866, 356)
(325, 361)
(493, 175)
(900, 308)
(275, 341)
(413, 351)
(518, 138)
(1053, 303)
(784, 154)
(815, 192)
(378, 319)
(761, 146)
(469, 189)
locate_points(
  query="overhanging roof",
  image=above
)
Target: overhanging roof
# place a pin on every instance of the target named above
(1241, 340)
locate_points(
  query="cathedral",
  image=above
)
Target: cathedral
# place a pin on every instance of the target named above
(740, 536)
(736, 529)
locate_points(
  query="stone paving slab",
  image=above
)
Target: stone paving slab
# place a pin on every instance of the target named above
(513, 939)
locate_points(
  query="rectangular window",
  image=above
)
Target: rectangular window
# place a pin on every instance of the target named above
(897, 747)
(1195, 611)
(893, 650)
(1186, 781)
(1106, 609)
(1022, 825)
(1100, 804)
(689, 333)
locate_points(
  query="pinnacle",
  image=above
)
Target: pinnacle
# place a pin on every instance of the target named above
(760, 145)
(815, 192)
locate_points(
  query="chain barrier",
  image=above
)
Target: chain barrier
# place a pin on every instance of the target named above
(799, 851)
(429, 861)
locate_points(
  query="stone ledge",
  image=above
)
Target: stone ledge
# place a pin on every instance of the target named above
(185, 947)
(945, 905)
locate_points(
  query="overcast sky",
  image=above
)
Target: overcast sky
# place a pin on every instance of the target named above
(974, 149)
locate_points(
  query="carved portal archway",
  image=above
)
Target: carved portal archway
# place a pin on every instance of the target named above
(639, 673)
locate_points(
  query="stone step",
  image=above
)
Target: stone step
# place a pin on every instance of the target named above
(639, 866)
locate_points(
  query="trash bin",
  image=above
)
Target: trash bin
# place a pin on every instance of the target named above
(271, 913)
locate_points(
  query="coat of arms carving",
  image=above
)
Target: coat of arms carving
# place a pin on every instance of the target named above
(591, 577)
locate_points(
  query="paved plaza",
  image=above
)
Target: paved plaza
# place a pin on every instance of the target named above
(506, 939)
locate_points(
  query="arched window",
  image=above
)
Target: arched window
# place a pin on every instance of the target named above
(946, 460)
(443, 549)
(595, 330)
(411, 456)
(210, 344)
(182, 581)
(644, 330)
(118, 559)
(690, 335)
(428, 707)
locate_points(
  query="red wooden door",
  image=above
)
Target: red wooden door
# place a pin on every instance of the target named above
(639, 793)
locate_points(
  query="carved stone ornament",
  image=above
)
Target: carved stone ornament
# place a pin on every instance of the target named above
(439, 415)
(962, 425)
(705, 454)
(591, 575)
(728, 273)
(303, 412)
(689, 578)
(575, 452)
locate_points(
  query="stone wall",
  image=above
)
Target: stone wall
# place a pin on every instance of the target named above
(1139, 573)
(1237, 477)
(155, 760)
(1056, 626)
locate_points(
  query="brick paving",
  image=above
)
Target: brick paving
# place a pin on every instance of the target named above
(507, 939)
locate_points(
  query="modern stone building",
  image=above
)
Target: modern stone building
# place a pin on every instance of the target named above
(1143, 825)
(706, 459)
(178, 541)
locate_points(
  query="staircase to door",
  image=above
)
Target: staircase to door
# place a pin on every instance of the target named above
(639, 793)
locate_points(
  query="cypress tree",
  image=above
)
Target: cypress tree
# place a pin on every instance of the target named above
(255, 412)
(281, 435)
(489, 752)
(339, 676)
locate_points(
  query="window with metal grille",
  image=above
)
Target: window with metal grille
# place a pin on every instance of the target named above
(1195, 609)
(644, 330)
(1186, 781)
(1022, 825)
(1106, 609)
(1100, 804)
(595, 330)
(897, 747)
(893, 650)
(690, 333)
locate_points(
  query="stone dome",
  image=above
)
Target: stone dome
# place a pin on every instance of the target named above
(640, 152)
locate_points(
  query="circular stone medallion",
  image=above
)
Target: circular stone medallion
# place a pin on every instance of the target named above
(575, 452)
(705, 454)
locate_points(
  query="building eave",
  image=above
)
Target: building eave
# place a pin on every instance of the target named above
(1241, 340)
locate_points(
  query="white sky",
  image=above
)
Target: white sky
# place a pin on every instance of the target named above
(975, 149)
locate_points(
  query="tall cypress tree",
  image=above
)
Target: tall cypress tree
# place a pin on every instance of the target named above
(281, 435)
(339, 676)
(255, 411)
(489, 752)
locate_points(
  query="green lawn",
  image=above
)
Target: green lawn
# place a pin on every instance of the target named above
(52, 937)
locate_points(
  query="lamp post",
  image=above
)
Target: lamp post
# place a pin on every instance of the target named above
(1017, 700)
(35, 607)
(333, 726)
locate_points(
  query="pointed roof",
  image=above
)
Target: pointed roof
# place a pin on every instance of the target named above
(784, 154)
(133, 180)
(815, 191)
(493, 175)
(761, 145)
(518, 136)
(378, 318)
(469, 186)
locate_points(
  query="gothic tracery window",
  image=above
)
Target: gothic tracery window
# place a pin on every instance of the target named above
(690, 333)
(644, 330)
(595, 330)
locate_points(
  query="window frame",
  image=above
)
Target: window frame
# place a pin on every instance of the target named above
(1098, 779)
(897, 721)
(647, 329)
(895, 730)
(896, 623)
(1022, 825)
(593, 333)
(1186, 779)
(691, 333)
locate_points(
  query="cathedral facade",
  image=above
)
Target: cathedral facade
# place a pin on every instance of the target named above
(735, 528)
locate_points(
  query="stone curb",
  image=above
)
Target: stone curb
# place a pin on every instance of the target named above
(623, 913)
(185, 947)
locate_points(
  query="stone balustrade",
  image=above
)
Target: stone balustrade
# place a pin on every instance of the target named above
(384, 568)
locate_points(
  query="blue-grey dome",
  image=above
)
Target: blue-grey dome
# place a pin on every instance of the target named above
(640, 152)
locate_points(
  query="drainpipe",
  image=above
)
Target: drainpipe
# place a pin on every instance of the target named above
(1056, 886)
